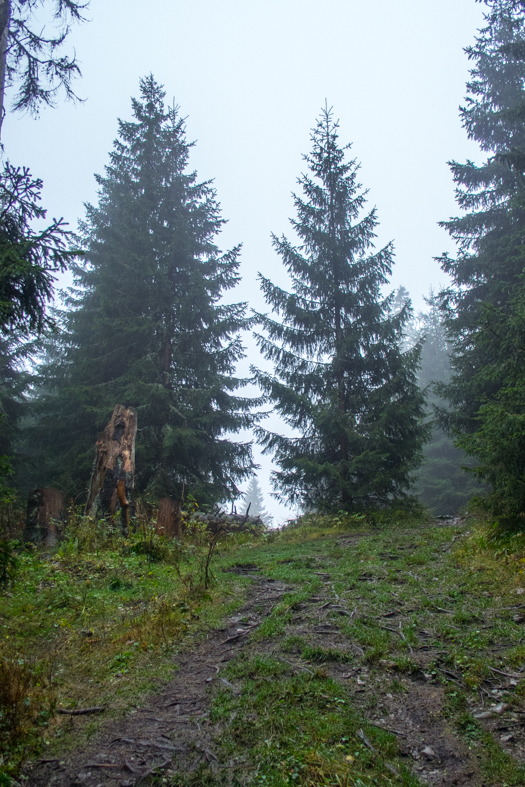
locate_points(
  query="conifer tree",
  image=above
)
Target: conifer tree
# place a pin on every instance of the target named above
(484, 304)
(14, 385)
(147, 326)
(254, 501)
(341, 381)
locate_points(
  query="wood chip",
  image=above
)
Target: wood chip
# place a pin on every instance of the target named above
(152, 770)
(361, 734)
(387, 729)
(236, 636)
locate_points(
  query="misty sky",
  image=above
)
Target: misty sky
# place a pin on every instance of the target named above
(251, 77)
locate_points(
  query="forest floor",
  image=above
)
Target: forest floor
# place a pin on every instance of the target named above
(391, 656)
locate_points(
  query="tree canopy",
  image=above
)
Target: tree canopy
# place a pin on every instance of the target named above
(484, 304)
(30, 59)
(147, 324)
(341, 382)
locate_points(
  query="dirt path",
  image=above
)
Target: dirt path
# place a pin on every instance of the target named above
(176, 733)
(171, 732)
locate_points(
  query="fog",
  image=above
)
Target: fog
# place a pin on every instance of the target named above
(251, 77)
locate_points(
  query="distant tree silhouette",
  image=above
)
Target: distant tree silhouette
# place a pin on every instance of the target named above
(254, 500)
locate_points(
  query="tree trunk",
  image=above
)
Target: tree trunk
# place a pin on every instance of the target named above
(114, 470)
(45, 507)
(5, 17)
(169, 520)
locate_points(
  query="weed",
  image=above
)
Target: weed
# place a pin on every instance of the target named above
(26, 703)
(293, 644)
(320, 655)
(9, 562)
(112, 610)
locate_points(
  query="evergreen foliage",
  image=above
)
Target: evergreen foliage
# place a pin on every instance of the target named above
(341, 382)
(14, 384)
(442, 483)
(411, 332)
(484, 305)
(254, 501)
(31, 59)
(147, 326)
(29, 256)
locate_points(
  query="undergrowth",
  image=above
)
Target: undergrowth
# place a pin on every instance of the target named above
(96, 621)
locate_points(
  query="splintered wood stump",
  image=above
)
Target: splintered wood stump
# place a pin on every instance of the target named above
(114, 469)
(45, 507)
(169, 517)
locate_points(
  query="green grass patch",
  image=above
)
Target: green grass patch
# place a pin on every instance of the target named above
(97, 622)
(298, 729)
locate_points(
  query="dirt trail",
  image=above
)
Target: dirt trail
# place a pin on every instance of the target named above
(171, 731)
(173, 734)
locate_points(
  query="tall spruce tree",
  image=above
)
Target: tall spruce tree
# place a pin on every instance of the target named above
(341, 382)
(147, 326)
(484, 304)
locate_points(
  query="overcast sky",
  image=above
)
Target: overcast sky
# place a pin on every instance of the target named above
(251, 77)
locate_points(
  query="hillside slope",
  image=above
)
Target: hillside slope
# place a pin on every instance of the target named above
(356, 658)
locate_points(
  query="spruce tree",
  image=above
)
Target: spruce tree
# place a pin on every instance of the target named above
(340, 381)
(30, 255)
(147, 325)
(254, 501)
(484, 304)
(14, 387)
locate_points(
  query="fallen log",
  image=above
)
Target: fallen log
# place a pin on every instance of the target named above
(229, 523)
(81, 711)
(113, 475)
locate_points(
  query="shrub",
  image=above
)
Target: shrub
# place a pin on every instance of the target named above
(25, 705)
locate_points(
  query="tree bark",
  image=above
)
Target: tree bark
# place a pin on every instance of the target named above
(169, 520)
(45, 507)
(113, 475)
(5, 18)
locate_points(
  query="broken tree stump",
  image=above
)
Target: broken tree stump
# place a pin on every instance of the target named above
(114, 469)
(169, 518)
(45, 508)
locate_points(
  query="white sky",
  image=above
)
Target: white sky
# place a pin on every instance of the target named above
(251, 77)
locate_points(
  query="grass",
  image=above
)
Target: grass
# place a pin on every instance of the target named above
(302, 728)
(370, 611)
(97, 622)
(428, 603)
